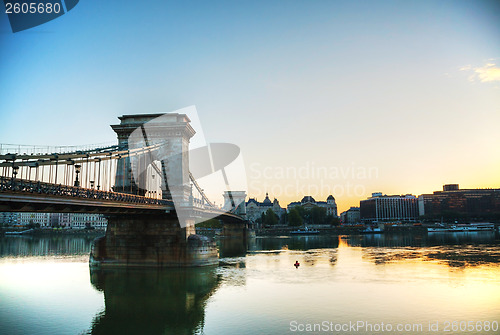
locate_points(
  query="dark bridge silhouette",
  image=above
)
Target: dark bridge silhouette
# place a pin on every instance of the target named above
(151, 218)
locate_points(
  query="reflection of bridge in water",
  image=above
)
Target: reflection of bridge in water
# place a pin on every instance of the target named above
(23, 246)
(129, 185)
(153, 302)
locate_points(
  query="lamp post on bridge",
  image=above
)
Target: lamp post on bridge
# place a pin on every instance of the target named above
(77, 170)
(15, 169)
(99, 175)
(191, 198)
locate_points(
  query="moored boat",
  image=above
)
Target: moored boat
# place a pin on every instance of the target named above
(473, 227)
(370, 230)
(305, 231)
(19, 232)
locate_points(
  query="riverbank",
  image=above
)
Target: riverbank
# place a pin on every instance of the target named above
(326, 230)
(341, 230)
(50, 231)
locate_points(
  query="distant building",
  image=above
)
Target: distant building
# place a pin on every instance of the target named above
(255, 209)
(450, 187)
(83, 220)
(389, 208)
(309, 202)
(8, 219)
(72, 220)
(350, 216)
(42, 219)
(452, 201)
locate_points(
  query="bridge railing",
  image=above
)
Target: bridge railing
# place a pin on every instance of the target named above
(47, 149)
(28, 186)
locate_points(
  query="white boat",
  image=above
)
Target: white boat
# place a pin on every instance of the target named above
(370, 230)
(19, 232)
(305, 231)
(465, 228)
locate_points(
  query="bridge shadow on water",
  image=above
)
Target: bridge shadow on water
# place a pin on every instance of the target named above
(294, 243)
(149, 301)
(229, 247)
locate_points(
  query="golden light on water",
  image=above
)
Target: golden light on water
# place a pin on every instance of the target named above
(340, 279)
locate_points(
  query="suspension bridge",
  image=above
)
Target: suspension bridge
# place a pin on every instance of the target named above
(151, 218)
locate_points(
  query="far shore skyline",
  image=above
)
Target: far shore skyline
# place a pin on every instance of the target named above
(345, 205)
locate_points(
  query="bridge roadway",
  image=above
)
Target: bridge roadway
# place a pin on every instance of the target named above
(18, 195)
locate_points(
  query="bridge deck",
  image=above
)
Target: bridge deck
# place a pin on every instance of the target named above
(19, 195)
(29, 196)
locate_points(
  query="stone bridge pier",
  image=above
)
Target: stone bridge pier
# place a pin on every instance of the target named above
(154, 239)
(151, 241)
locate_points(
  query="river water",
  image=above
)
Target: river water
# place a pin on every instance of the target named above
(440, 283)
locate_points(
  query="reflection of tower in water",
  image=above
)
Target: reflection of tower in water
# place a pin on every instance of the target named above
(150, 301)
(343, 242)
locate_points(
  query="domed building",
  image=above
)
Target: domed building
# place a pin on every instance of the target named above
(309, 202)
(331, 206)
(255, 208)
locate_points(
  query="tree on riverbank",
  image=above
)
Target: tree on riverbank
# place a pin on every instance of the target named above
(270, 218)
(294, 218)
(315, 215)
(212, 223)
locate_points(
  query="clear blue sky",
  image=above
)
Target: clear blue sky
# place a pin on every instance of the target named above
(411, 88)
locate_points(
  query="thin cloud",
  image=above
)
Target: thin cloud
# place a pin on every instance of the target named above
(490, 72)
(487, 73)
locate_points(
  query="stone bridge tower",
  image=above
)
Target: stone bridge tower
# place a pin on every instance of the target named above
(173, 131)
(153, 239)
